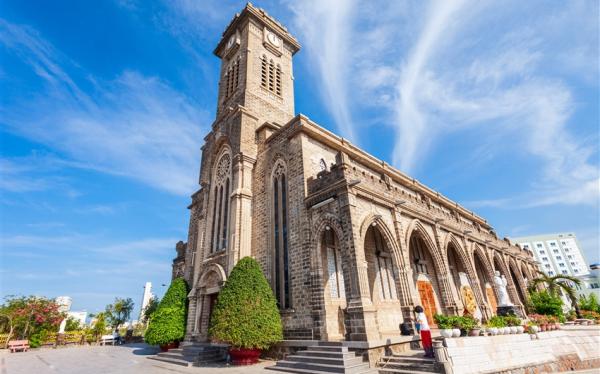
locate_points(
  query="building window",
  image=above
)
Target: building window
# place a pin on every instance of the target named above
(542, 252)
(270, 75)
(562, 264)
(573, 263)
(547, 266)
(539, 245)
(221, 204)
(565, 272)
(280, 237)
(334, 266)
(559, 257)
(553, 244)
(385, 270)
(576, 270)
(569, 256)
(544, 258)
(232, 78)
(550, 273)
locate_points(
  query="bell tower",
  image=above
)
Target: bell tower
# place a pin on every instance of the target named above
(256, 67)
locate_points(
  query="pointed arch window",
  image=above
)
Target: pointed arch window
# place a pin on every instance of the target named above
(335, 276)
(221, 204)
(385, 273)
(280, 237)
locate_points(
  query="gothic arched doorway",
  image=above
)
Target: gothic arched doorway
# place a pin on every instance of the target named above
(461, 286)
(424, 274)
(485, 282)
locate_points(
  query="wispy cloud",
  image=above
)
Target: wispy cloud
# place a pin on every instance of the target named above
(451, 68)
(133, 126)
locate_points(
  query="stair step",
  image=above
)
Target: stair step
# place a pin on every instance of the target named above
(312, 371)
(400, 371)
(325, 348)
(414, 361)
(350, 369)
(169, 360)
(355, 360)
(340, 355)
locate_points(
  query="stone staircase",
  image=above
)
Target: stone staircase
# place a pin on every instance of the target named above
(324, 357)
(194, 354)
(408, 362)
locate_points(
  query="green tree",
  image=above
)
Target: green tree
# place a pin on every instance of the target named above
(149, 309)
(544, 302)
(99, 326)
(28, 315)
(167, 323)
(557, 283)
(72, 324)
(246, 313)
(119, 312)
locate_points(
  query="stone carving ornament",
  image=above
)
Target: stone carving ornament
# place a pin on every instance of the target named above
(223, 168)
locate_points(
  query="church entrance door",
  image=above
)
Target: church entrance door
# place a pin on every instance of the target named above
(428, 300)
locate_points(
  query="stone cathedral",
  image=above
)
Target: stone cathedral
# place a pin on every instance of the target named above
(348, 243)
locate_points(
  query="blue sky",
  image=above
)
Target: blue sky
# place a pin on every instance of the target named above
(104, 107)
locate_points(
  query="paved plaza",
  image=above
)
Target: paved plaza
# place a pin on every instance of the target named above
(131, 359)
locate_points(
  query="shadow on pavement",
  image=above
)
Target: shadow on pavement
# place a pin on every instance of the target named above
(142, 349)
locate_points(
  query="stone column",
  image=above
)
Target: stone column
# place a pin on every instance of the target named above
(404, 272)
(361, 314)
(240, 222)
(449, 304)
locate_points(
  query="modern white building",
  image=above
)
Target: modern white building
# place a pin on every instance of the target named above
(557, 253)
(80, 316)
(146, 299)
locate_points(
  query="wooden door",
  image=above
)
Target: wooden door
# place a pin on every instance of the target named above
(428, 300)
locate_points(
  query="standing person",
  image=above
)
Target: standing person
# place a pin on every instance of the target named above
(425, 332)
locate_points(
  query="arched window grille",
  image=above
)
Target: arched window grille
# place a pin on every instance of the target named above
(232, 78)
(335, 275)
(278, 80)
(221, 204)
(280, 237)
(418, 252)
(264, 72)
(385, 269)
(271, 76)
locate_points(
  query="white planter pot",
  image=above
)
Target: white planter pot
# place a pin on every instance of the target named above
(446, 333)
(520, 329)
(455, 333)
(535, 329)
(501, 330)
(513, 329)
(493, 331)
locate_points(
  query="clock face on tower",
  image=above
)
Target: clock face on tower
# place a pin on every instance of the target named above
(231, 41)
(273, 39)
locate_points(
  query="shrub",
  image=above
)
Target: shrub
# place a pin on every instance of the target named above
(512, 321)
(442, 321)
(546, 303)
(167, 323)
(246, 313)
(496, 321)
(589, 314)
(589, 303)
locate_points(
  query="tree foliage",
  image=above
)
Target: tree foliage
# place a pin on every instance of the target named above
(589, 303)
(72, 324)
(167, 323)
(246, 313)
(557, 283)
(149, 309)
(118, 313)
(25, 316)
(546, 303)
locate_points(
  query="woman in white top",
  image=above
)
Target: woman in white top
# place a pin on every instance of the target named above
(425, 332)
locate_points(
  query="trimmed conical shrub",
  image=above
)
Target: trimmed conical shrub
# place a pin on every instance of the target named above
(167, 323)
(246, 313)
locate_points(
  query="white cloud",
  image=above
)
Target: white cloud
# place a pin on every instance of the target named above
(133, 126)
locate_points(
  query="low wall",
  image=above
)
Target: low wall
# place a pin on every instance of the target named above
(571, 348)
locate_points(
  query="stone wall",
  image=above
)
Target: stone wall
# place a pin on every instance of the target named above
(571, 348)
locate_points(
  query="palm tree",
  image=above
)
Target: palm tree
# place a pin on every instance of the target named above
(557, 283)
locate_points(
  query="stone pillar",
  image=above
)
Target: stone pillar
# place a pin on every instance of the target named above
(403, 270)
(361, 314)
(190, 329)
(448, 302)
(240, 227)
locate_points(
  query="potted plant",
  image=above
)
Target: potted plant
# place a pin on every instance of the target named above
(167, 324)
(512, 322)
(444, 325)
(246, 314)
(455, 323)
(552, 322)
(469, 325)
(498, 323)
